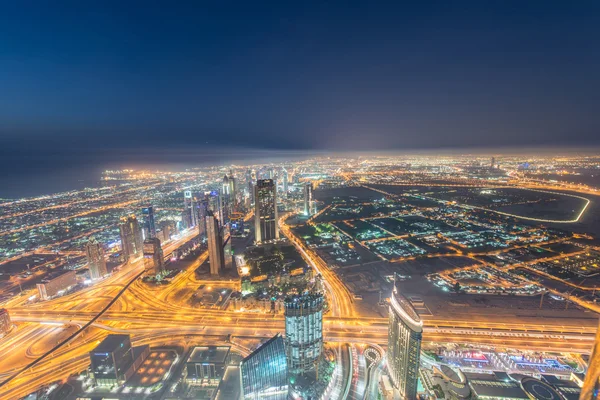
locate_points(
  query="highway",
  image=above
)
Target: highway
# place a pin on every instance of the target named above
(70, 326)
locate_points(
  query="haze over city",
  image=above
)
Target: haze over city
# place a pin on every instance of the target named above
(299, 201)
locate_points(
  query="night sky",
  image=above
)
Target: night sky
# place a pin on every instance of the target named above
(128, 82)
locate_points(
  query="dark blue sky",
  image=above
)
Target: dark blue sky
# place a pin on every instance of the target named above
(84, 84)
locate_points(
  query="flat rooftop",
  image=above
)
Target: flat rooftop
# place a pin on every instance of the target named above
(209, 354)
(110, 343)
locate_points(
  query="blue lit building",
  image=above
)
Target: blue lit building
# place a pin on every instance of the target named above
(264, 372)
(304, 332)
(405, 331)
(150, 225)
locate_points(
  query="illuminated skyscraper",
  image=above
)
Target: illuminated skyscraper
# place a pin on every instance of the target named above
(285, 182)
(216, 256)
(203, 209)
(250, 185)
(265, 211)
(227, 251)
(303, 331)
(148, 213)
(404, 344)
(308, 199)
(190, 211)
(95, 258)
(155, 262)
(131, 237)
(264, 372)
(214, 204)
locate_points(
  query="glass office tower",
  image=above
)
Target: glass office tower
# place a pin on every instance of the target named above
(264, 372)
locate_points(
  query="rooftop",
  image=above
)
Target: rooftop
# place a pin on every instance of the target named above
(209, 354)
(405, 309)
(110, 343)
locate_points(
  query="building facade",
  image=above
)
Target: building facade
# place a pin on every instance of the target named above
(265, 211)
(56, 282)
(95, 259)
(264, 372)
(131, 237)
(153, 255)
(308, 199)
(216, 256)
(114, 361)
(303, 332)
(149, 223)
(206, 365)
(405, 332)
(286, 180)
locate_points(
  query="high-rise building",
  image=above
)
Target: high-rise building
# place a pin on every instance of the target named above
(149, 224)
(216, 256)
(285, 181)
(264, 372)
(114, 361)
(308, 199)
(405, 330)
(154, 258)
(95, 259)
(5, 323)
(214, 204)
(265, 211)
(303, 331)
(227, 251)
(202, 213)
(250, 185)
(190, 211)
(131, 237)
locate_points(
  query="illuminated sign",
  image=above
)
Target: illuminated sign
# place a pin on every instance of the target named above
(187, 194)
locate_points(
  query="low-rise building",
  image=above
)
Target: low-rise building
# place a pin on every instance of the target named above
(56, 283)
(206, 365)
(114, 360)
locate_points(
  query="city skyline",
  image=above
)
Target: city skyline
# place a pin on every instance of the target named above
(332, 200)
(91, 86)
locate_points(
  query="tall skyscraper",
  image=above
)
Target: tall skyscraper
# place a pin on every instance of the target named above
(155, 261)
(250, 185)
(149, 224)
(303, 331)
(190, 211)
(264, 372)
(227, 251)
(285, 182)
(405, 330)
(308, 199)
(214, 204)
(131, 237)
(228, 197)
(95, 258)
(265, 211)
(203, 209)
(216, 256)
